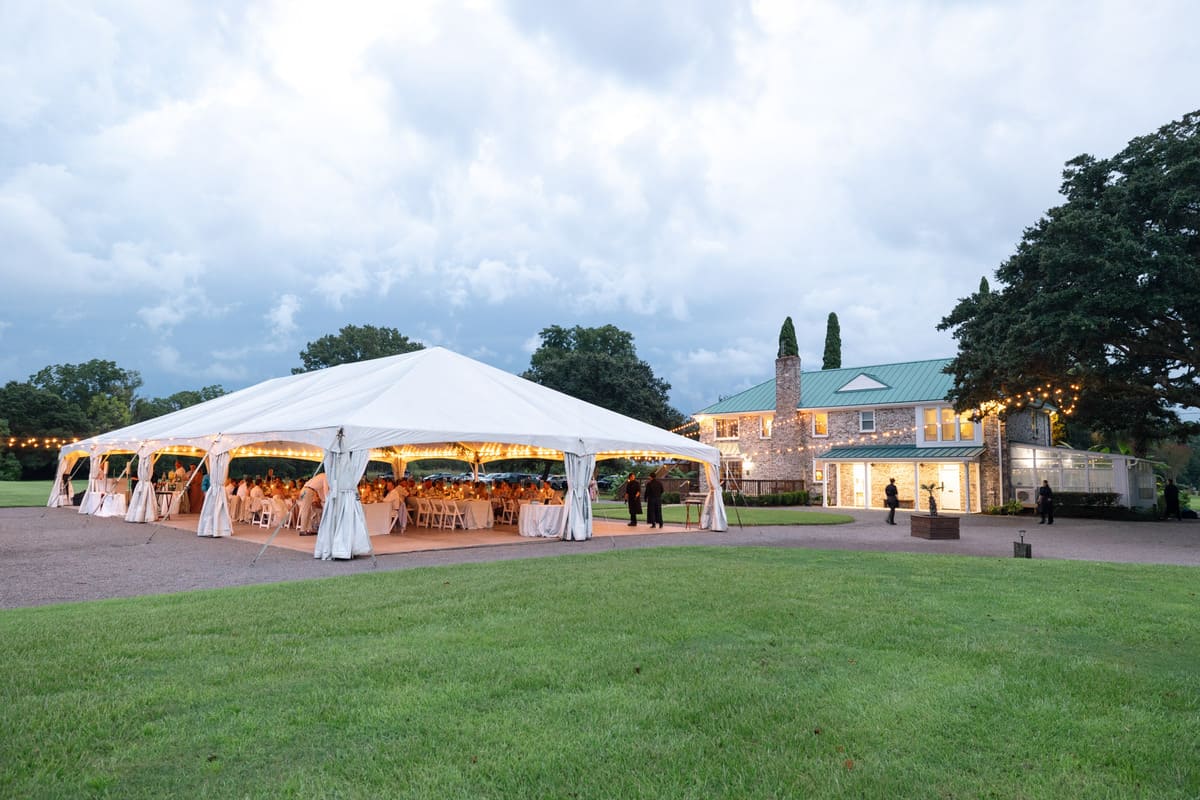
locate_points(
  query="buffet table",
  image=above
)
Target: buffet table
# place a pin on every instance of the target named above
(544, 521)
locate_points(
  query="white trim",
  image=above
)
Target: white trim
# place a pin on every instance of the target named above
(862, 382)
(816, 435)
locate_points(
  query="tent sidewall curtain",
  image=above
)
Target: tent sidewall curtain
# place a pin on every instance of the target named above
(343, 531)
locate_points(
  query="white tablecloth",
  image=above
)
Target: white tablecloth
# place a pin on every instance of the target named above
(477, 513)
(545, 521)
(379, 518)
(113, 505)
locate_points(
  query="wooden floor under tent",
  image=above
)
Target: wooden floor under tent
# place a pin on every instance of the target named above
(417, 539)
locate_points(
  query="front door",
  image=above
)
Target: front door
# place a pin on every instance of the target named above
(860, 485)
(948, 477)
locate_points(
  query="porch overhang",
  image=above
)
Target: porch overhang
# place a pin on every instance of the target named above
(901, 452)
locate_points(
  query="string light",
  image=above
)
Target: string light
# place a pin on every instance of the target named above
(38, 442)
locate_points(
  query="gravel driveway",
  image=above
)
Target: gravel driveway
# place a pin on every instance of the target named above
(57, 555)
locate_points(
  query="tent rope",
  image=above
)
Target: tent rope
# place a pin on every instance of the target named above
(279, 526)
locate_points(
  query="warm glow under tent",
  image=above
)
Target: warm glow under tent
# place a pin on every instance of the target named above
(431, 403)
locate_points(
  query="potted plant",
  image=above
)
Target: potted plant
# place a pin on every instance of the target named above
(931, 488)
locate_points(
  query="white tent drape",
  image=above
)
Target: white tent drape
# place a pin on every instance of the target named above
(142, 505)
(343, 531)
(214, 517)
(398, 467)
(579, 506)
(712, 515)
(61, 493)
(94, 495)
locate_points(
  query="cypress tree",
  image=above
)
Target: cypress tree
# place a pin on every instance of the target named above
(787, 340)
(833, 344)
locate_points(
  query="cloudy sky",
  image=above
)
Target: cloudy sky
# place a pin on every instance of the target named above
(196, 190)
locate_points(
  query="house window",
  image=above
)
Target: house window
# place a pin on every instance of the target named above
(866, 421)
(727, 428)
(731, 471)
(941, 424)
(930, 426)
(768, 421)
(948, 425)
(820, 423)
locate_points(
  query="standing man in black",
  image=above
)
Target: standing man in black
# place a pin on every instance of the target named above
(633, 499)
(1171, 500)
(654, 493)
(891, 500)
(1046, 503)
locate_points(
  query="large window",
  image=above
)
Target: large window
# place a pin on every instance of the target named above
(727, 428)
(941, 424)
(820, 423)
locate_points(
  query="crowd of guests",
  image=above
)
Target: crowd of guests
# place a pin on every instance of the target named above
(249, 497)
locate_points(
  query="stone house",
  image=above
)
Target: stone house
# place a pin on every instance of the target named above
(844, 433)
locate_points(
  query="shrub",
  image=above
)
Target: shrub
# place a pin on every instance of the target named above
(10, 468)
(779, 499)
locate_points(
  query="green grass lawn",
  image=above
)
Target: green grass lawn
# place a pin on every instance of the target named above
(756, 515)
(30, 493)
(674, 673)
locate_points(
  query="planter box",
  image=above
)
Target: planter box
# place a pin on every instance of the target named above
(934, 527)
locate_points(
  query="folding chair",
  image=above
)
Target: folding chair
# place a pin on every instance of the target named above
(452, 515)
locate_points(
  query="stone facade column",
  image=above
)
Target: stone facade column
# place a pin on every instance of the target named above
(787, 435)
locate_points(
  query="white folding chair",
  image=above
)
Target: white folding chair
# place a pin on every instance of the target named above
(425, 513)
(452, 515)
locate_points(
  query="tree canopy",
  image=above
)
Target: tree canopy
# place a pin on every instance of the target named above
(787, 340)
(601, 366)
(149, 408)
(354, 343)
(833, 343)
(77, 400)
(1098, 311)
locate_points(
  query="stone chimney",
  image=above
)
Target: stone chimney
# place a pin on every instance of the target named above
(787, 388)
(785, 434)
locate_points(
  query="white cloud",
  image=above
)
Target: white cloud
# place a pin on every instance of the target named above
(469, 173)
(282, 317)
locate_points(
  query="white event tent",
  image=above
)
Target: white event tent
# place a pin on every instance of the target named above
(431, 403)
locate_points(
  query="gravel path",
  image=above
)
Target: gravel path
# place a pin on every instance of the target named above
(57, 555)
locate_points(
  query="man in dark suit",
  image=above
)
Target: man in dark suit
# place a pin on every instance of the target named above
(654, 493)
(633, 498)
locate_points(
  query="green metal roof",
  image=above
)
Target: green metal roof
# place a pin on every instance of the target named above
(898, 451)
(909, 382)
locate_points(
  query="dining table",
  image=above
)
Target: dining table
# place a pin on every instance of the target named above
(476, 513)
(543, 521)
(379, 518)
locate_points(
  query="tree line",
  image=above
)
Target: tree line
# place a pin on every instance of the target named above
(65, 401)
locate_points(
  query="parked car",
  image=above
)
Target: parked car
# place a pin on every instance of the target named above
(557, 482)
(607, 483)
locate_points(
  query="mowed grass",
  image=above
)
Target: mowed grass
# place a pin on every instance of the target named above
(14, 494)
(673, 673)
(754, 515)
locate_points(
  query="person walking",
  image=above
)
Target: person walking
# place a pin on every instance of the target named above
(633, 499)
(1171, 500)
(654, 493)
(1046, 503)
(891, 500)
